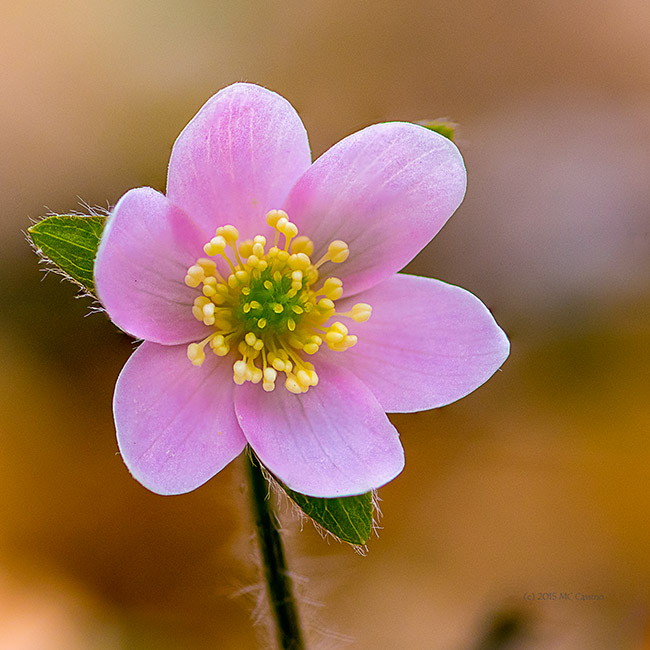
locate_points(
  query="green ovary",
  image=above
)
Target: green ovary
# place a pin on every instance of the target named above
(269, 305)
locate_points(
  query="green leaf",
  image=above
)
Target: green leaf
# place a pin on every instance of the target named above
(70, 242)
(443, 127)
(348, 518)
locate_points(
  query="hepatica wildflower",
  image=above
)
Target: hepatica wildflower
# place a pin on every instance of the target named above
(265, 288)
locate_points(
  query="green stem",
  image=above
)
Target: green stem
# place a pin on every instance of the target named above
(278, 580)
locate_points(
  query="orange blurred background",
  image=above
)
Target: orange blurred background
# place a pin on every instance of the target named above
(536, 483)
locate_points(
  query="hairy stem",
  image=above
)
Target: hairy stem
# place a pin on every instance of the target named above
(274, 564)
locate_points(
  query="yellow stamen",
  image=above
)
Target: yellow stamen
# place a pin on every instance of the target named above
(267, 312)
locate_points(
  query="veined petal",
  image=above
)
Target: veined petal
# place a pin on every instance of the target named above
(146, 248)
(426, 344)
(385, 191)
(176, 425)
(335, 440)
(238, 158)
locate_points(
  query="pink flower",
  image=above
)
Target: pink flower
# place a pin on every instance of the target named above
(240, 280)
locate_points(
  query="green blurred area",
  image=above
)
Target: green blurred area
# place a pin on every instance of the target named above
(536, 483)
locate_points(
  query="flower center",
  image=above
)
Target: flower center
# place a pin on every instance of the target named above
(271, 309)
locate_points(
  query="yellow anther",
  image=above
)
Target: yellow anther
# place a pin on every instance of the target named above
(278, 308)
(338, 251)
(242, 277)
(361, 312)
(246, 247)
(291, 325)
(292, 385)
(216, 246)
(332, 288)
(325, 304)
(209, 266)
(274, 216)
(334, 338)
(254, 373)
(281, 223)
(302, 244)
(270, 376)
(261, 323)
(239, 371)
(290, 230)
(250, 338)
(195, 275)
(297, 309)
(219, 345)
(210, 286)
(336, 334)
(258, 246)
(229, 233)
(303, 378)
(278, 364)
(313, 344)
(195, 353)
(299, 261)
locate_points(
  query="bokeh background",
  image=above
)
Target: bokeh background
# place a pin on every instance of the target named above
(538, 482)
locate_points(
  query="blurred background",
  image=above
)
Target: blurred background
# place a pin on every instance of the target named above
(536, 483)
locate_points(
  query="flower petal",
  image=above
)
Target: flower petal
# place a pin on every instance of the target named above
(147, 246)
(335, 440)
(176, 425)
(426, 344)
(238, 158)
(385, 191)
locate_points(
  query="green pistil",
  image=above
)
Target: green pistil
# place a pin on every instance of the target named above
(263, 300)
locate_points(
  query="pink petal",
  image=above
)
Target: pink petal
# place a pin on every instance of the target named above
(176, 425)
(238, 158)
(335, 440)
(147, 246)
(426, 344)
(386, 191)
